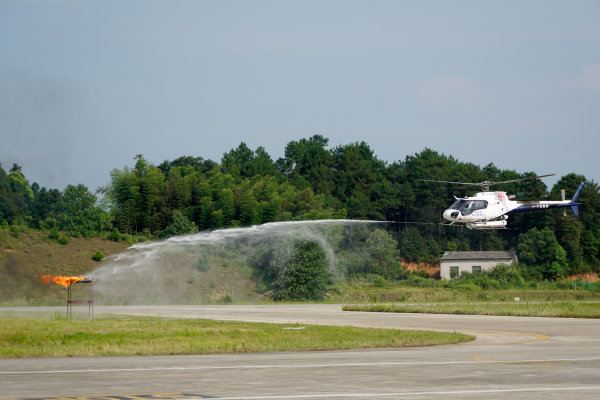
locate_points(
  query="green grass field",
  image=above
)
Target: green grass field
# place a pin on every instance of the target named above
(121, 336)
(404, 293)
(546, 309)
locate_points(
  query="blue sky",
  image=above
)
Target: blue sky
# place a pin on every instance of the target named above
(87, 85)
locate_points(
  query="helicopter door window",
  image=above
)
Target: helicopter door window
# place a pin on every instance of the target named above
(469, 206)
(479, 204)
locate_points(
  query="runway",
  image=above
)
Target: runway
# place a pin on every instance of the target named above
(512, 357)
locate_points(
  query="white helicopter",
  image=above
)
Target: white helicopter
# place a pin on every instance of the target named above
(490, 210)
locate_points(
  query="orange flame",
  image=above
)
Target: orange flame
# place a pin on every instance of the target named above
(65, 281)
(46, 279)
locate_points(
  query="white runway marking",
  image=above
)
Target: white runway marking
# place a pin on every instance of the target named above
(402, 394)
(297, 366)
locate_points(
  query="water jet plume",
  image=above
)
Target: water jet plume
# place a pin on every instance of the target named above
(213, 265)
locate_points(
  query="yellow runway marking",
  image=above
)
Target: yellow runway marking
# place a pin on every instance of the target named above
(536, 336)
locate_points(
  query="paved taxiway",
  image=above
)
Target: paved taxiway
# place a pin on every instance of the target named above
(513, 357)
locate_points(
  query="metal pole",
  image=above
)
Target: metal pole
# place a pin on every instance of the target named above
(69, 301)
(91, 297)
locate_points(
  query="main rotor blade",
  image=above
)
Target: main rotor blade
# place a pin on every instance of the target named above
(521, 179)
(457, 183)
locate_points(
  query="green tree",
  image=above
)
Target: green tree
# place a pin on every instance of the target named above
(249, 213)
(137, 197)
(226, 203)
(206, 210)
(79, 215)
(196, 163)
(12, 204)
(559, 265)
(19, 183)
(412, 245)
(539, 250)
(568, 233)
(308, 164)
(217, 219)
(357, 175)
(238, 162)
(126, 200)
(179, 225)
(152, 199)
(45, 207)
(397, 200)
(590, 245)
(305, 276)
(379, 256)
(242, 162)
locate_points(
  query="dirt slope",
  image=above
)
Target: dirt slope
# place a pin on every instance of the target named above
(25, 258)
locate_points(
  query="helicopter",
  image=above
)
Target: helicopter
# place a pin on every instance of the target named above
(490, 210)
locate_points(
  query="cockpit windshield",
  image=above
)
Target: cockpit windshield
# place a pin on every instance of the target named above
(466, 207)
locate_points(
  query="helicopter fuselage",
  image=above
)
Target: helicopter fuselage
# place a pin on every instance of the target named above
(490, 210)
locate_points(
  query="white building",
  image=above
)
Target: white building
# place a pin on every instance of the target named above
(454, 263)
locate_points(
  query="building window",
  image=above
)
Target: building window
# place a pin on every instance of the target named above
(476, 269)
(453, 272)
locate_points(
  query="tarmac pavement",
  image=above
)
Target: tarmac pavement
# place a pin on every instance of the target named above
(512, 357)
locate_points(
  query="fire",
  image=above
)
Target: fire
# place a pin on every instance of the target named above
(65, 281)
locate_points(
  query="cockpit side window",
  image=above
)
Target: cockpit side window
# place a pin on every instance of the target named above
(466, 207)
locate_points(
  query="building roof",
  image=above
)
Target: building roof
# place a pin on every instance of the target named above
(479, 255)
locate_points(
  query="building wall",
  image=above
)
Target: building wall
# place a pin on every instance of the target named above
(467, 266)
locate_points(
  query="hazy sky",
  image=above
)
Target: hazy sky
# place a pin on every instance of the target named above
(87, 85)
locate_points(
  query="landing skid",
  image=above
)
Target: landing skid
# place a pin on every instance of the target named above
(478, 226)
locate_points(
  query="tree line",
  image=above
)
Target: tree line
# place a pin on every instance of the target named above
(313, 181)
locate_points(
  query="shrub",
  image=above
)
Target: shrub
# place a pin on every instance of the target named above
(179, 225)
(53, 234)
(227, 299)
(295, 272)
(204, 263)
(15, 230)
(419, 281)
(379, 281)
(63, 240)
(115, 235)
(97, 256)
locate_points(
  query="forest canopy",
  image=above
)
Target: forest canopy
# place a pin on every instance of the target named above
(312, 181)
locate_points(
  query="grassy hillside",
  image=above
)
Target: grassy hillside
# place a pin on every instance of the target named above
(25, 256)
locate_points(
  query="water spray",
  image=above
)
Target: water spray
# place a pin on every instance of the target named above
(167, 271)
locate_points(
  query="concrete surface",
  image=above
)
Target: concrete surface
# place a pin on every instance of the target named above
(512, 358)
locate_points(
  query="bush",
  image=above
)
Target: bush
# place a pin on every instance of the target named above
(97, 256)
(462, 284)
(115, 235)
(379, 281)
(418, 281)
(53, 234)
(297, 271)
(179, 225)
(227, 299)
(15, 230)
(485, 282)
(63, 240)
(204, 263)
